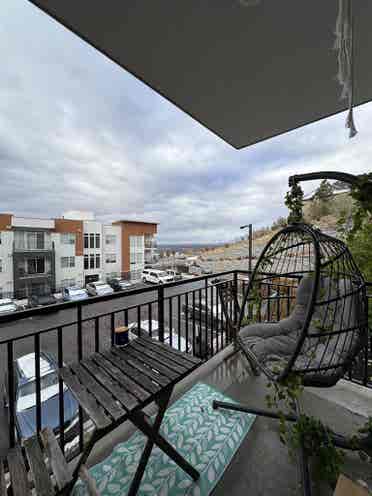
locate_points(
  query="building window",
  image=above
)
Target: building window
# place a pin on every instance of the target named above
(35, 240)
(98, 240)
(98, 261)
(36, 265)
(91, 264)
(0, 237)
(110, 239)
(110, 258)
(86, 240)
(1, 265)
(86, 262)
(136, 252)
(67, 262)
(66, 283)
(26, 240)
(91, 240)
(68, 238)
(1, 292)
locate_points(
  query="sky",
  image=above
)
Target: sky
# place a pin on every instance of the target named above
(79, 133)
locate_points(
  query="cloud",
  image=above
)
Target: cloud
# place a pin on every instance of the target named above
(78, 132)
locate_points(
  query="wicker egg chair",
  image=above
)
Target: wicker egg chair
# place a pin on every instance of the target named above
(306, 304)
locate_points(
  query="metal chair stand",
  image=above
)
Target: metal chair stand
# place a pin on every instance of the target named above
(317, 296)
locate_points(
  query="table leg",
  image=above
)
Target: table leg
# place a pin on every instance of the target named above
(163, 403)
(152, 432)
(83, 458)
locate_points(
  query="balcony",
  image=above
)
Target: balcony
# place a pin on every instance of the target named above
(42, 247)
(261, 465)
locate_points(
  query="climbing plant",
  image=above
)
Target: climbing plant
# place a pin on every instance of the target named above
(309, 432)
(357, 231)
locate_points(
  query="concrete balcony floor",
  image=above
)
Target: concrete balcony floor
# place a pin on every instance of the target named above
(261, 466)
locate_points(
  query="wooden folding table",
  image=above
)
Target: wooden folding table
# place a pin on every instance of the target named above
(116, 385)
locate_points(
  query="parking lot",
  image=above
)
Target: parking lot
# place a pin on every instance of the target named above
(93, 315)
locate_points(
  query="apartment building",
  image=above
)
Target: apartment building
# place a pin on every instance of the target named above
(41, 255)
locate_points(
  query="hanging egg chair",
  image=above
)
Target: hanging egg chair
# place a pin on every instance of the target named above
(307, 308)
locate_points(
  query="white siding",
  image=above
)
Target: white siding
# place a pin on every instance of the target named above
(6, 256)
(67, 250)
(34, 223)
(94, 227)
(111, 269)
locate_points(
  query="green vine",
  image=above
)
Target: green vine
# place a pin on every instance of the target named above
(309, 432)
(294, 202)
(362, 194)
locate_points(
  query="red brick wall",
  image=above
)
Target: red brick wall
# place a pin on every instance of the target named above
(72, 226)
(132, 229)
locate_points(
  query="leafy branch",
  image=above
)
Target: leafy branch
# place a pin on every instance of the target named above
(294, 202)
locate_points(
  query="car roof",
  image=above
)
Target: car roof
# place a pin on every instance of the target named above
(6, 301)
(26, 366)
(145, 325)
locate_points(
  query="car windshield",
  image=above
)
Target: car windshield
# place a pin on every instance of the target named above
(45, 382)
(162, 274)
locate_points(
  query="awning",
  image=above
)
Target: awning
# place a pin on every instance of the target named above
(245, 72)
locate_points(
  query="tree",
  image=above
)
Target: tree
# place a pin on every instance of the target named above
(279, 223)
(324, 192)
(322, 201)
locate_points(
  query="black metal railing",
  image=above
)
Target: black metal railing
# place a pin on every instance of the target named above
(186, 314)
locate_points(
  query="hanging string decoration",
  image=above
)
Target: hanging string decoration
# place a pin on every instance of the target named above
(345, 56)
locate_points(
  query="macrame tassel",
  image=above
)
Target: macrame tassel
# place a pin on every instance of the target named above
(345, 57)
(350, 124)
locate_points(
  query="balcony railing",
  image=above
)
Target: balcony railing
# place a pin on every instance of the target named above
(189, 317)
(46, 245)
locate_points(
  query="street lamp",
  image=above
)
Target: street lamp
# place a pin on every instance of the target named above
(250, 243)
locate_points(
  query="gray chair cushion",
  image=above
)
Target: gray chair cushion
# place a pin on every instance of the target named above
(270, 342)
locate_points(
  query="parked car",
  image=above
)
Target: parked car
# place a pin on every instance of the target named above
(74, 293)
(46, 300)
(7, 306)
(204, 312)
(156, 276)
(215, 281)
(145, 331)
(119, 284)
(99, 288)
(176, 276)
(25, 380)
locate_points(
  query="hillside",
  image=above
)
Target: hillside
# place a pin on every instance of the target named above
(324, 214)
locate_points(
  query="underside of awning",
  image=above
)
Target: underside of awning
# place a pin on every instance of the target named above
(245, 72)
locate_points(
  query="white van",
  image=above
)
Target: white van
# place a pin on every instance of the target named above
(156, 276)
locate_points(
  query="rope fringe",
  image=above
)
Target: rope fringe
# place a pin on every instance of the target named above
(345, 58)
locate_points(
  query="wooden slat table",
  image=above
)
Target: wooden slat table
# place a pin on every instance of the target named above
(115, 386)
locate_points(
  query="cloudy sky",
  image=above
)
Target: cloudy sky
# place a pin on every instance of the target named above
(79, 133)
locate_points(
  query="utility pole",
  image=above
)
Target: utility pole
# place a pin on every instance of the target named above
(250, 245)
